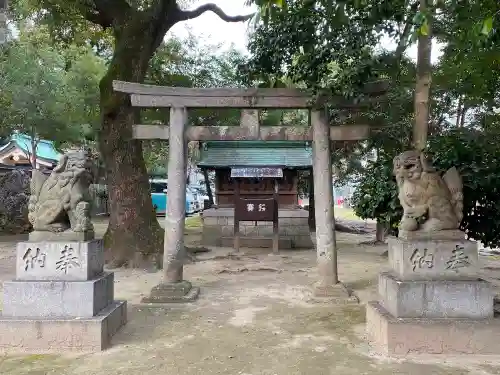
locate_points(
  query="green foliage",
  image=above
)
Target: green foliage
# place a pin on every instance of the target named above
(27, 75)
(376, 196)
(66, 22)
(475, 154)
(46, 92)
(191, 62)
(330, 45)
(324, 45)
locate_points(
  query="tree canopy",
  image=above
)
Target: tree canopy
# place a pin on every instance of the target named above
(48, 92)
(333, 45)
(320, 45)
(191, 62)
(127, 33)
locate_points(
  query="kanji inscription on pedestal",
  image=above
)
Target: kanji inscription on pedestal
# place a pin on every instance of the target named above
(59, 260)
(458, 259)
(432, 260)
(34, 257)
(67, 260)
(420, 259)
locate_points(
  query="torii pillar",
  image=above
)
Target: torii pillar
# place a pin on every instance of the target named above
(328, 284)
(173, 287)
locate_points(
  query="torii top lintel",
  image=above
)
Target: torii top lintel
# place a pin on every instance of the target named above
(147, 96)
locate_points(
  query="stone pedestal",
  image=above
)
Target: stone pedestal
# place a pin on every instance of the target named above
(431, 301)
(61, 299)
(218, 229)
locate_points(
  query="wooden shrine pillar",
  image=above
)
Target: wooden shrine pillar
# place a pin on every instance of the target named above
(324, 215)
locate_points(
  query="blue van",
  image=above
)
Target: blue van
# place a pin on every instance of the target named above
(158, 189)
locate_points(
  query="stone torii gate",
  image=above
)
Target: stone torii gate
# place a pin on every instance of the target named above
(179, 99)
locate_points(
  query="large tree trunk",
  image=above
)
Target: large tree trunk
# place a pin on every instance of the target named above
(134, 236)
(138, 31)
(423, 84)
(381, 231)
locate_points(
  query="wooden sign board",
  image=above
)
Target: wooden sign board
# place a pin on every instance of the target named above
(256, 210)
(256, 172)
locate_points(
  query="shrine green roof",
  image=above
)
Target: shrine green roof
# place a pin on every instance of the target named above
(45, 149)
(286, 154)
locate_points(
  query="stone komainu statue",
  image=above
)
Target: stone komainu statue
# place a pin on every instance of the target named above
(430, 202)
(61, 202)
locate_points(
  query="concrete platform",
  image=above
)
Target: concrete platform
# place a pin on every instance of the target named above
(28, 335)
(408, 336)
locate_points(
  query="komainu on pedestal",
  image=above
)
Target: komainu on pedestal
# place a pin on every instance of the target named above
(61, 299)
(59, 204)
(431, 301)
(430, 202)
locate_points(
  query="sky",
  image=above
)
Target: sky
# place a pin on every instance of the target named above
(212, 29)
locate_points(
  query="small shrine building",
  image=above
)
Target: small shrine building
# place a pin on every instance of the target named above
(17, 153)
(254, 170)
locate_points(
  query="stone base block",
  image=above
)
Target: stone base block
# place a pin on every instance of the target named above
(471, 299)
(218, 229)
(56, 260)
(256, 242)
(56, 299)
(338, 292)
(401, 337)
(433, 259)
(62, 335)
(68, 235)
(179, 292)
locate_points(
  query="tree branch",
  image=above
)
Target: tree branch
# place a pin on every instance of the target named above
(105, 13)
(405, 35)
(210, 7)
(94, 16)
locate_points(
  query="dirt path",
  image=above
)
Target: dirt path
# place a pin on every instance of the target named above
(255, 316)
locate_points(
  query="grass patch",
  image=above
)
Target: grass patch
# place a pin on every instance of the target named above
(37, 364)
(193, 222)
(346, 213)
